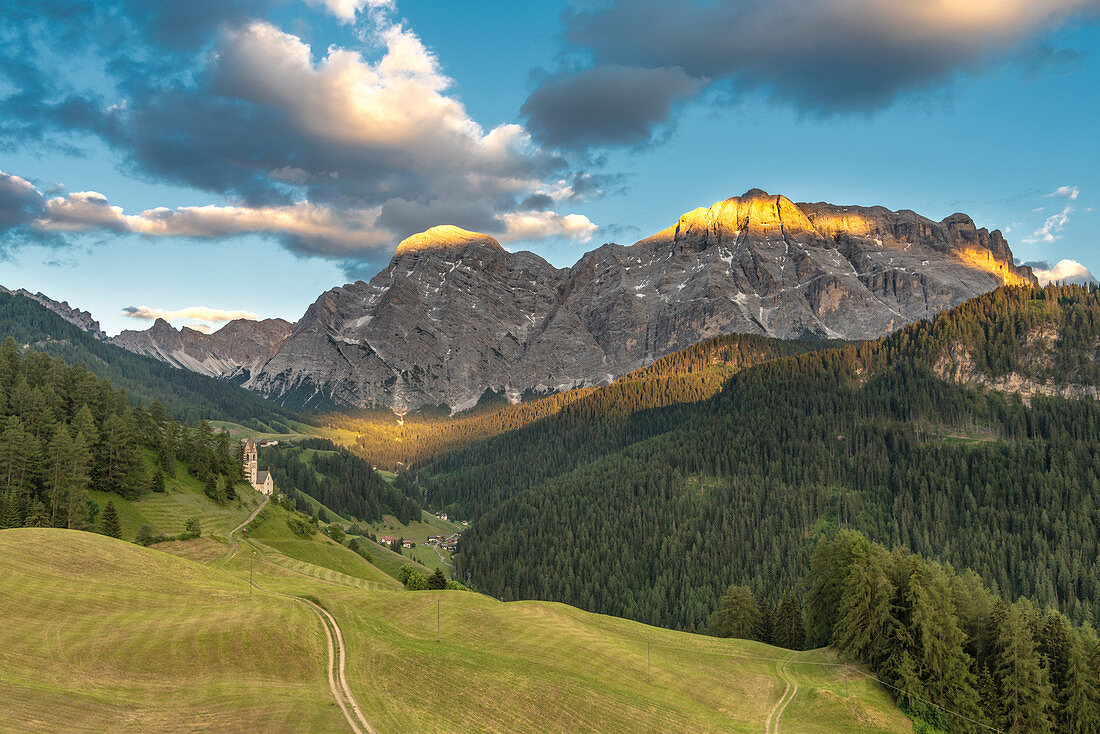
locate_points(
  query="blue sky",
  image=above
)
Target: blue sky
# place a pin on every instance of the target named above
(247, 156)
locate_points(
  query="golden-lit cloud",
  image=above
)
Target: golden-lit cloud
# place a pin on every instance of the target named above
(1063, 271)
(192, 313)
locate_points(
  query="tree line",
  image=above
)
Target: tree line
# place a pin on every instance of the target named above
(185, 395)
(64, 432)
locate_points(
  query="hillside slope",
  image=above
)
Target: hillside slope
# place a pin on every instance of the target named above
(98, 631)
(738, 489)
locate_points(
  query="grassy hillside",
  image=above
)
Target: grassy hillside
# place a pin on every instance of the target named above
(104, 635)
(186, 395)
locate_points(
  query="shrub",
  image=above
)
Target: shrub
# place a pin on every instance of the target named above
(147, 536)
(303, 528)
(412, 578)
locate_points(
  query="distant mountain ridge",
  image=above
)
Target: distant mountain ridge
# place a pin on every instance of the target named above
(76, 317)
(454, 314)
(233, 351)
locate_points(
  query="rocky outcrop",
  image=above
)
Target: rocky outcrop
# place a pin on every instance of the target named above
(233, 352)
(454, 314)
(76, 317)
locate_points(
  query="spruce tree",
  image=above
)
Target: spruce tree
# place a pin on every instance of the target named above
(1025, 691)
(109, 524)
(865, 612)
(437, 580)
(1077, 706)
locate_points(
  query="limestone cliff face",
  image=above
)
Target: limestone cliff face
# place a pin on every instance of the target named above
(232, 352)
(454, 314)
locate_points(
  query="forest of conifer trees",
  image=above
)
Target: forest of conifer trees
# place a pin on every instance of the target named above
(738, 489)
(64, 432)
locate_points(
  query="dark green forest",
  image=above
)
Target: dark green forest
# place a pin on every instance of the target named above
(739, 489)
(599, 421)
(186, 396)
(955, 655)
(64, 431)
(340, 480)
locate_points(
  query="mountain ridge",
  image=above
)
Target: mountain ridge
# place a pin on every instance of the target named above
(454, 314)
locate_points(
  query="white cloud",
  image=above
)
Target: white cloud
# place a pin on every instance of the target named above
(346, 10)
(396, 106)
(192, 313)
(1065, 192)
(543, 224)
(1068, 271)
(1052, 227)
(311, 228)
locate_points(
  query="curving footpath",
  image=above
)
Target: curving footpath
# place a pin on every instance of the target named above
(771, 725)
(337, 678)
(233, 545)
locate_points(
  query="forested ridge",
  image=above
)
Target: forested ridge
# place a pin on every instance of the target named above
(594, 422)
(65, 432)
(689, 375)
(738, 489)
(186, 395)
(341, 481)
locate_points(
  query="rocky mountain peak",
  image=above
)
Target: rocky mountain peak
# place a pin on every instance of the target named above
(455, 314)
(444, 238)
(754, 214)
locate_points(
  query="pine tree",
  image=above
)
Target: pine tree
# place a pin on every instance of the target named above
(109, 524)
(1025, 690)
(865, 612)
(11, 510)
(58, 477)
(437, 580)
(1077, 707)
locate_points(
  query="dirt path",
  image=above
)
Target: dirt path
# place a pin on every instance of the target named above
(337, 659)
(234, 545)
(338, 682)
(771, 726)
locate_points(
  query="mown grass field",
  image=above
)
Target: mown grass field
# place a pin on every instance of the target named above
(102, 635)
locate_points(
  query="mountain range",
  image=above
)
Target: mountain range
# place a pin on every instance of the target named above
(455, 314)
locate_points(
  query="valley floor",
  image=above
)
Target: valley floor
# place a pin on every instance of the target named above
(102, 635)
